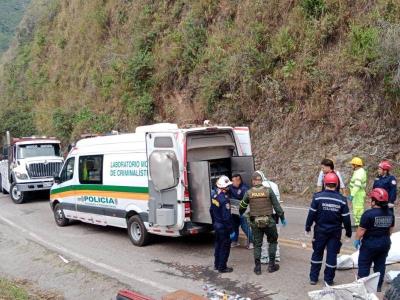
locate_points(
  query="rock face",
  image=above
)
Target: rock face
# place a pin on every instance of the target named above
(311, 78)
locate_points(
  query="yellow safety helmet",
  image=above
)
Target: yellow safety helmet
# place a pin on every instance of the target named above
(357, 161)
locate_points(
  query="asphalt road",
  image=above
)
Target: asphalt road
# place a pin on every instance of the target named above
(165, 265)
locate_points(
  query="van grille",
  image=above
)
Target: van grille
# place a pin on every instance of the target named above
(39, 170)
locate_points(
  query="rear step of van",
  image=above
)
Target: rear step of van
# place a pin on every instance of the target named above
(193, 228)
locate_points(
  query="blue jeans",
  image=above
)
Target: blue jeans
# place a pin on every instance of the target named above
(241, 221)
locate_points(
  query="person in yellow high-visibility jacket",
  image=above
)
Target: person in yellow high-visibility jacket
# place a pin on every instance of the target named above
(358, 183)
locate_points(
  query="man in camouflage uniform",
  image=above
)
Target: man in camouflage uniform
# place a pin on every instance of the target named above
(262, 202)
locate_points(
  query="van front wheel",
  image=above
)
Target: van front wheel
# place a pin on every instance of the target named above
(59, 216)
(137, 231)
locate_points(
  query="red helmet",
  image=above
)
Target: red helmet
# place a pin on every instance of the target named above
(379, 194)
(331, 177)
(385, 165)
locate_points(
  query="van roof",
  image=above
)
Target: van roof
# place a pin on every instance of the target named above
(140, 134)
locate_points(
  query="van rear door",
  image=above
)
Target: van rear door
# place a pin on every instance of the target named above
(163, 176)
(243, 135)
(243, 165)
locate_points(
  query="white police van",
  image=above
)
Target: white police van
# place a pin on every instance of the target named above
(155, 181)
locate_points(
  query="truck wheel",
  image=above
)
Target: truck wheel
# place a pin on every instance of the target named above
(59, 216)
(16, 196)
(393, 292)
(137, 231)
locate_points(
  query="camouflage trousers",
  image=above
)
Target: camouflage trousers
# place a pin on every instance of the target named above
(272, 237)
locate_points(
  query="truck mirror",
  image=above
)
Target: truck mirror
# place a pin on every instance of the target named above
(164, 169)
(4, 154)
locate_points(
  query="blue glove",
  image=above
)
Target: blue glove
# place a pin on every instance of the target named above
(232, 236)
(284, 222)
(350, 198)
(357, 244)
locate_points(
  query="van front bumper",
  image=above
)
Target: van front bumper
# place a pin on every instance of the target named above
(34, 186)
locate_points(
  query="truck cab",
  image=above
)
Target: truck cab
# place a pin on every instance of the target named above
(29, 165)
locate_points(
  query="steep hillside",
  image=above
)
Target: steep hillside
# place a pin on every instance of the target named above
(11, 12)
(312, 78)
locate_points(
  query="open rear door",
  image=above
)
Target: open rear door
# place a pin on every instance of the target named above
(243, 165)
(163, 178)
(243, 135)
(200, 191)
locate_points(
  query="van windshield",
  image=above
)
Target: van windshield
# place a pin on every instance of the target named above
(26, 151)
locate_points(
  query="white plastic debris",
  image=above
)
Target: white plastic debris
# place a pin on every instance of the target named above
(351, 261)
(63, 259)
(213, 293)
(390, 275)
(362, 289)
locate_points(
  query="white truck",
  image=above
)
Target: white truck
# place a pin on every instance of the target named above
(157, 180)
(28, 164)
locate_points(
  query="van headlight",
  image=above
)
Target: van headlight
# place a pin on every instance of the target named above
(21, 176)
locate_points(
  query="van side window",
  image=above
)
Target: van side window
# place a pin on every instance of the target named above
(67, 172)
(163, 142)
(91, 169)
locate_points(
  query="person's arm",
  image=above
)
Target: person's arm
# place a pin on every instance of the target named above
(277, 206)
(393, 190)
(346, 220)
(364, 225)
(312, 215)
(356, 185)
(319, 182)
(244, 203)
(360, 233)
(226, 215)
(392, 227)
(342, 185)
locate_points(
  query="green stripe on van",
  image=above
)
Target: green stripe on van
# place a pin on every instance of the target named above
(100, 187)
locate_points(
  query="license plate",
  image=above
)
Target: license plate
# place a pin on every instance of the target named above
(47, 184)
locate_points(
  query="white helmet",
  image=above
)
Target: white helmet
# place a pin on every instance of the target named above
(223, 182)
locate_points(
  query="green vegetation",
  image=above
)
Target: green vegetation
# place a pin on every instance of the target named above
(12, 291)
(11, 12)
(118, 64)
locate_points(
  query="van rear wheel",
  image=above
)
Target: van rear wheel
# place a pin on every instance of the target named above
(59, 216)
(17, 196)
(137, 231)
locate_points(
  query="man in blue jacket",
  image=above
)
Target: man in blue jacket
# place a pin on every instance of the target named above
(386, 181)
(237, 191)
(220, 211)
(328, 211)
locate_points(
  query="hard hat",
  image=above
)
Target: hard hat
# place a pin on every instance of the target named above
(257, 176)
(379, 194)
(332, 178)
(223, 182)
(385, 165)
(357, 161)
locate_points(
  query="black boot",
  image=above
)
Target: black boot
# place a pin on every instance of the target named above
(272, 266)
(257, 268)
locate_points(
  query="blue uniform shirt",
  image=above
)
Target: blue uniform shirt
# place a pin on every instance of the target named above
(328, 211)
(377, 222)
(220, 211)
(238, 192)
(389, 184)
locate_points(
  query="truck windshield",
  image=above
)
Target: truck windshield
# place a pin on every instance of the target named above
(26, 151)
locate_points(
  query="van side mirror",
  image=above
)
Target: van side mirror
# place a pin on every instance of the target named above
(57, 178)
